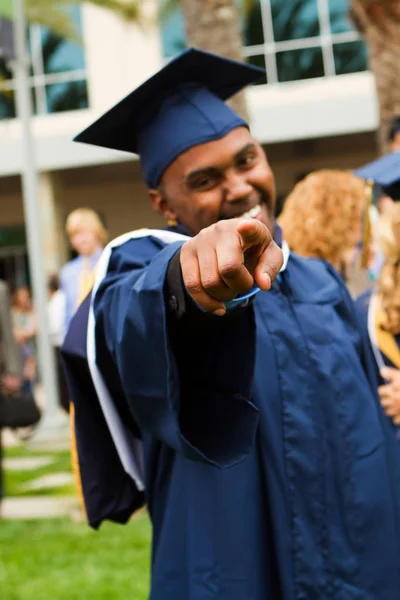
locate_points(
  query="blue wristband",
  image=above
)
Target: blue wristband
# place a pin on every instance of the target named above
(236, 302)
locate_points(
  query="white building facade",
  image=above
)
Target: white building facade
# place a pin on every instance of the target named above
(317, 108)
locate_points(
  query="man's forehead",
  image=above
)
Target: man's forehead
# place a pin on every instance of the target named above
(217, 152)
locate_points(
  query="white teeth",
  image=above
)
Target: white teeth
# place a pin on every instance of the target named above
(252, 213)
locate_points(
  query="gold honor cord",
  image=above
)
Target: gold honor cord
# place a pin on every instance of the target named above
(367, 229)
(75, 460)
(84, 291)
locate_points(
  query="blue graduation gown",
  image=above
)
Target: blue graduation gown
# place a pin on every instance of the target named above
(270, 471)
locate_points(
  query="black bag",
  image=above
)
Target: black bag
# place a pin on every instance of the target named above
(18, 410)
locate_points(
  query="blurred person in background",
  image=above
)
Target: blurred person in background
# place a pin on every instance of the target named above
(322, 218)
(87, 236)
(10, 359)
(379, 310)
(25, 327)
(56, 320)
(383, 204)
(384, 174)
(394, 134)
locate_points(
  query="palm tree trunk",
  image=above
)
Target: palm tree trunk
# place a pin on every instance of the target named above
(213, 25)
(379, 23)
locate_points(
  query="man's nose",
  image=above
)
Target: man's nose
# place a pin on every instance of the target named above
(237, 187)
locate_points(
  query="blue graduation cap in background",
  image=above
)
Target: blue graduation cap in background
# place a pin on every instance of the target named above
(385, 172)
(181, 106)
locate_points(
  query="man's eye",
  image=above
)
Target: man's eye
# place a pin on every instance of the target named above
(246, 161)
(204, 183)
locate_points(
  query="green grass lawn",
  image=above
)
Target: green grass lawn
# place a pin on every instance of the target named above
(57, 559)
(14, 480)
(60, 560)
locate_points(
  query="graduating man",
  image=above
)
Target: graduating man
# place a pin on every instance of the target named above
(223, 380)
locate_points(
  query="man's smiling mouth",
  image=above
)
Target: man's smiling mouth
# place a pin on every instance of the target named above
(253, 213)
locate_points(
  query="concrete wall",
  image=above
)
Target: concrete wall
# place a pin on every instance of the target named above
(292, 160)
(119, 55)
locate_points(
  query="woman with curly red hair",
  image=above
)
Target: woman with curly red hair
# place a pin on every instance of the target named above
(322, 218)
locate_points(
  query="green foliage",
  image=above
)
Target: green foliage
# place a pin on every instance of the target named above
(54, 14)
(248, 5)
(57, 559)
(167, 7)
(6, 8)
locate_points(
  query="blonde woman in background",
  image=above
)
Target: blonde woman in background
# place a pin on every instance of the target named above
(88, 237)
(379, 311)
(322, 218)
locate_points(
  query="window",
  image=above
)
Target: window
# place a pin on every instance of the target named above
(57, 74)
(291, 39)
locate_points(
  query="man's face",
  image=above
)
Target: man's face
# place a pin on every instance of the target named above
(222, 179)
(85, 242)
(395, 143)
(23, 298)
(385, 203)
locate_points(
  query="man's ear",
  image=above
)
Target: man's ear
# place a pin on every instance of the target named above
(160, 205)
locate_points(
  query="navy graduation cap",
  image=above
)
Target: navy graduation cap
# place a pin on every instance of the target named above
(385, 172)
(181, 106)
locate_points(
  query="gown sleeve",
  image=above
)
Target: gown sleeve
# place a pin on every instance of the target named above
(187, 379)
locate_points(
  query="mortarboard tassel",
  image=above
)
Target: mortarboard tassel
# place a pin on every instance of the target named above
(367, 229)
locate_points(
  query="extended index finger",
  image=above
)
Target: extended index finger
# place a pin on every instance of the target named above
(253, 233)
